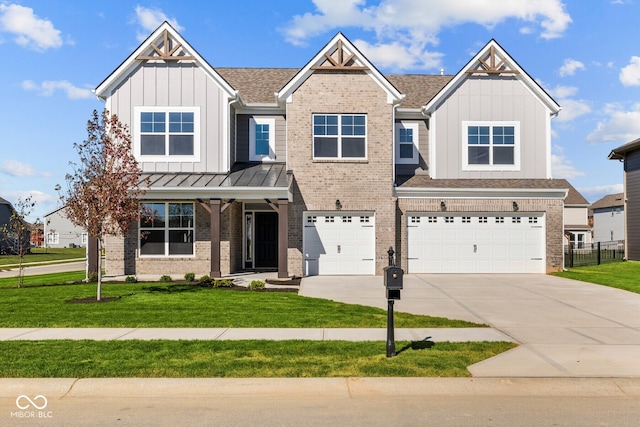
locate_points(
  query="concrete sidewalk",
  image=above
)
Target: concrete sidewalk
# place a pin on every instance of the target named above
(314, 334)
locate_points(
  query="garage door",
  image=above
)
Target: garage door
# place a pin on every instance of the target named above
(483, 243)
(339, 243)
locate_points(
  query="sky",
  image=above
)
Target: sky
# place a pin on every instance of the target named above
(585, 54)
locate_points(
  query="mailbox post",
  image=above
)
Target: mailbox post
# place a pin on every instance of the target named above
(393, 279)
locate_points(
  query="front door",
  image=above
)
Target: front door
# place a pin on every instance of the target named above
(266, 241)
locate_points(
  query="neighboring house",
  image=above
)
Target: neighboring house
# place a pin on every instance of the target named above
(320, 170)
(9, 244)
(630, 155)
(608, 218)
(60, 232)
(576, 219)
(37, 235)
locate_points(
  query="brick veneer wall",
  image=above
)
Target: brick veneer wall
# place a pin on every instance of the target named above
(360, 185)
(552, 208)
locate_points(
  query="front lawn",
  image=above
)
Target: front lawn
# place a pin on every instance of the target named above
(45, 255)
(43, 279)
(147, 305)
(621, 275)
(250, 359)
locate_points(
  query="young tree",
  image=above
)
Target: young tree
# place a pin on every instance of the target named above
(16, 232)
(102, 191)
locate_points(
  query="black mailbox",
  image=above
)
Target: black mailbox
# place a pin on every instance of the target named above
(393, 277)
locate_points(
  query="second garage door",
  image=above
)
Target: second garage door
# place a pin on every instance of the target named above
(338, 243)
(485, 243)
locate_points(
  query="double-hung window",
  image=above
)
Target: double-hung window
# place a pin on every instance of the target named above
(339, 136)
(407, 143)
(167, 229)
(167, 133)
(262, 138)
(491, 145)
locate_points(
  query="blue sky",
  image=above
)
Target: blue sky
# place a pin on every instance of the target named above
(584, 53)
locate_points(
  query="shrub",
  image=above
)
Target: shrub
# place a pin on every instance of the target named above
(222, 283)
(93, 278)
(256, 285)
(131, 279)
(190, 277)
(165, 278)
(205, 280)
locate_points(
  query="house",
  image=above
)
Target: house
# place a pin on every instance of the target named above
(321, 169)
(577, 230)
(60, 232)
(9, 244)
(608, 218)
(629, 154)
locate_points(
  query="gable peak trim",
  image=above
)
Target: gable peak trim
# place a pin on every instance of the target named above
(169, 52)
(492, 64)
(341, 63)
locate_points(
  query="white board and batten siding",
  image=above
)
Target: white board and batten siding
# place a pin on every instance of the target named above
(475, 243)
(339, 243)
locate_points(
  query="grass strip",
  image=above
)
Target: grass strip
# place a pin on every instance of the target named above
(235, 359)
(43, 279)
(621, 275)
(147, 305)
(44, 255)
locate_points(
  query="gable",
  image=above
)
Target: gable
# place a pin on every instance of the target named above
(340, 55)
(163, 46)
(493, 61)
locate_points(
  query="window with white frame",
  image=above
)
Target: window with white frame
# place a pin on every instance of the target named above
(490, 145)
(339, 136)
(53, 238)
(164, 133)
(167, 229)
(406, 143)
(84, 238)
(262, 138)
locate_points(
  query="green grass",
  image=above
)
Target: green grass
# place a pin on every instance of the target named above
(44, 255)
(43, 279)
(184, 305)
(621, 275)
(198, 359)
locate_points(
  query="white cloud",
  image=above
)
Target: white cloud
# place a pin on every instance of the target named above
(47, 88)
(619, 127)
(570, 66)
(396, 56)
(630, 75)
(599, 191)
(45, 203)
(413, 23)
(150, 19)
(561, 167)
(571, 108)
(17, 168)
(29, 30)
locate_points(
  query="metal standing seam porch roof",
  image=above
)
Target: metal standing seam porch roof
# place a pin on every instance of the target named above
(244, 181)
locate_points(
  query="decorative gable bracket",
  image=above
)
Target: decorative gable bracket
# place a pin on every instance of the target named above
(340, 63)
(495, 65)
(167, 53)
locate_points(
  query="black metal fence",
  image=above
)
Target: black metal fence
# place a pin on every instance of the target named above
(594, 254)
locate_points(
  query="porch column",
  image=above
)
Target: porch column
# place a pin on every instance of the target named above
(283, 238)
(92, 255)
(215, 238)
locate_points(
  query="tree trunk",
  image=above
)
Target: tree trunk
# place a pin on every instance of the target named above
(99, 293)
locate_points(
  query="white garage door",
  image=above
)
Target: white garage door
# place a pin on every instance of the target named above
(339, 243)
(483, 243)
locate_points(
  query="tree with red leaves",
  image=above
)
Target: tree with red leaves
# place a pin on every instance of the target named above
(102, 192)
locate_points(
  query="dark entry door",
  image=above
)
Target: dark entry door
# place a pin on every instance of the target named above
(266, 244)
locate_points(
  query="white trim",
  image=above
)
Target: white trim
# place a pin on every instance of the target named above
(490, 167)
(482, 193)
(166, 158)
(414, 127)
(258, 193)
(253, 121)
(433, 164)
(340, 138)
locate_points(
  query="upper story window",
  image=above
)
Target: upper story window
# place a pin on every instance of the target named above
(490, 145)
(262, 139)
(166, 133)
(407, 143)
(339, 136)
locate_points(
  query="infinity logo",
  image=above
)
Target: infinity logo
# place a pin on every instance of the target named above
(30, 402)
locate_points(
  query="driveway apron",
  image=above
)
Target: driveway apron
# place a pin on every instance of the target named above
(566, 328)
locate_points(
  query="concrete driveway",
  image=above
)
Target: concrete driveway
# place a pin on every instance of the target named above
(566, 328)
